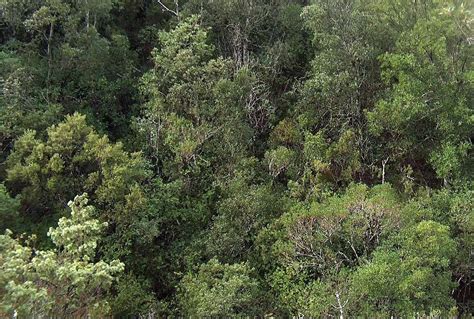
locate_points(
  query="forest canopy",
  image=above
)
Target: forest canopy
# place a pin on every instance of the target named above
(236, 158)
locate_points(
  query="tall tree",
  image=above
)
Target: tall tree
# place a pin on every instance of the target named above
(73, 159)
(426, 116)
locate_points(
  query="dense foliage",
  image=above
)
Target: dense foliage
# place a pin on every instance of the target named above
(236, 158)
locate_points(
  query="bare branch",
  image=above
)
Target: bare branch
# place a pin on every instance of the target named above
(340, 306)
(165, 8)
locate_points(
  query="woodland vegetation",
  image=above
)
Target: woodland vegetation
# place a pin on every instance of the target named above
(236, 158)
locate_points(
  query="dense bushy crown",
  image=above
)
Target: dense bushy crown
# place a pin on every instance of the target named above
(241, 158)
(60, 282)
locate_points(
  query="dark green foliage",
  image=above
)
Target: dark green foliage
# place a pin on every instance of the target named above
(247, 205)
(218, 290)
(250, 158)
(9, 208)
(426, 116)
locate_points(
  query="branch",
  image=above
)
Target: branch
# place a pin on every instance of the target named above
(340, 306)
(165, 8)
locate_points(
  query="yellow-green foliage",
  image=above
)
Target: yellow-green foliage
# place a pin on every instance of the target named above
(66, 281)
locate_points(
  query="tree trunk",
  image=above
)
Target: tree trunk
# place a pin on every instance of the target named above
(50, 59)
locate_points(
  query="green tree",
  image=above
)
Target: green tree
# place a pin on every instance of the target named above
(454, 208)
(192, 117)
(64, 281)
(74, 159)
(426, 116)
(9, 208)
(415, 278)
(248, 203)
(317, 244)
(65, 63)
(344, 73)
(218, 290)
